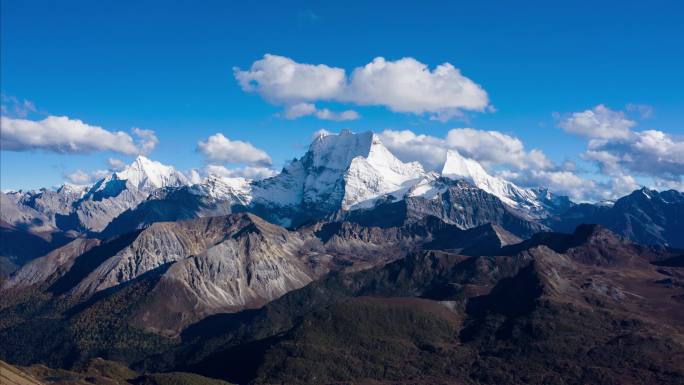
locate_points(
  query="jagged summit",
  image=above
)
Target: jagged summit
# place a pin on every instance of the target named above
(223, 188)
(339, 171)
(457, 166)
(336, 151)
(146, 174)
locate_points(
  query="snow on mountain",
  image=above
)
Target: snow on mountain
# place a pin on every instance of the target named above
(339, 171)
(89, 207)
(457, 166)
(147, 175)
(377, 174)
(235, 190)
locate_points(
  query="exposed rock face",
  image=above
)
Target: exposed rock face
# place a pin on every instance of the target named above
(52, 265)
(253, 266)
(456, 202)
(337, 172)
(459, 167)
(214, 197)
(205, 266)
(558, 302)
(536, 307)
(225, 264)
(34, 211)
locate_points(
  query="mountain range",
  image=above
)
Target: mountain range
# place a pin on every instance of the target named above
(349, 266)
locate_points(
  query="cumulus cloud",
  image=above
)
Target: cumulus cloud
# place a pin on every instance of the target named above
(116, 164)
(494, 148)
(491, 148)
(248, 172)
(564, 182)
(405, 85)
(326, 114)
(618, 150)
(281, 80)
(578, 188)
(64, 135)
(307, 109)
(669, 184)
(194, 176)
(599, 122)
(81, 177)
(506, 156)
(408, 146)
(649, 152)
(147, 139)
(219, 148)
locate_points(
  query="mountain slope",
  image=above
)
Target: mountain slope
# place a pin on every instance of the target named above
(645, 216)
(457, 166)
(88, 208)
(457, 202)
(215, 196)
(536, 317)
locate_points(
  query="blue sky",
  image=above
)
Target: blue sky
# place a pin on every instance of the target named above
(168, 67)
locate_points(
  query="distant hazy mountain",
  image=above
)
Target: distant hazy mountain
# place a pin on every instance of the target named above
(89, 208)
(645, 216)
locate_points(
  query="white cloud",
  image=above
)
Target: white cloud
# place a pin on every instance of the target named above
(306, 109)
(598, 123)
(219, 148)
(562, 182)
(194, 176)
(669, 184)
(116, 164)
(618, 150)
(507, 157)
(81, 177)
(248, 172)
(496, 148)
(405, 85)
(408, 146)
(147, 139)
(578, 188)
(649, 152)
(281, 80)
(491, 148)
(300, 109)
(63, 135)
(326, 114)
(619, 186)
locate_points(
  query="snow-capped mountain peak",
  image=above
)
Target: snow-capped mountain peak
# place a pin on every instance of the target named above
(376, 174)
(73, 189)
(145, 174)
(237, 190)
(457, 166)
(339, 171)
(336, 151)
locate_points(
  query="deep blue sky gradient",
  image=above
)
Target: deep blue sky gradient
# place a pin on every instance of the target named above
(167, 66)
